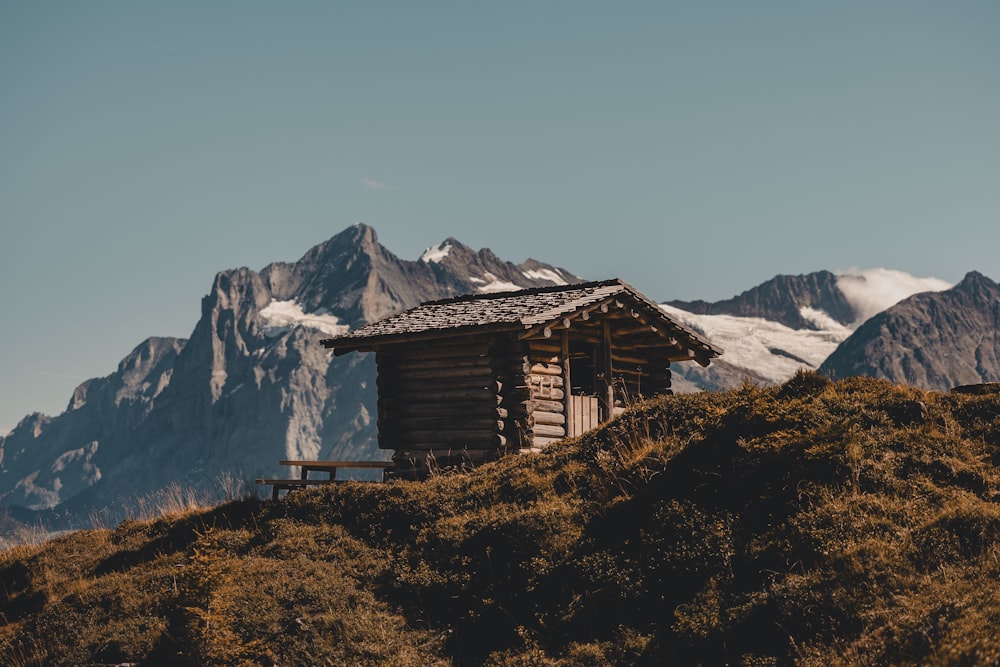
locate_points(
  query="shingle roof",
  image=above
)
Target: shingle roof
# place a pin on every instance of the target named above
(504, 310)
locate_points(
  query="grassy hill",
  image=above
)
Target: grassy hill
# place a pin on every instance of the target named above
(814, 523)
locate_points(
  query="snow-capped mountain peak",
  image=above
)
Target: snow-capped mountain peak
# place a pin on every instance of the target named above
(436, 253)
(793, 322)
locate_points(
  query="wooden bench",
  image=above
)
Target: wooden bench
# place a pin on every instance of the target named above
(329, 467)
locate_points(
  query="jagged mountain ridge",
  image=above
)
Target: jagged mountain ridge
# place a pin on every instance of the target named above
(784, 324)
(782, 299)
(933, 340)
(60, 454)
(251, 385)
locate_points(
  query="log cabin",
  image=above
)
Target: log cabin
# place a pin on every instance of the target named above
(467, 379)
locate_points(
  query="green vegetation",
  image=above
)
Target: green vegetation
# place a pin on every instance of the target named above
(814, 523)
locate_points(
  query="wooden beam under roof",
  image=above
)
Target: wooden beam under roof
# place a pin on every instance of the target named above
(566, 320)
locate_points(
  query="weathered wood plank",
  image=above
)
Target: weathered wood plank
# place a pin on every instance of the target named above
(439, 395)
(451, 351)
(443, 362)
(586, 413)
(549, 418)
(474, 409)
(549, 430)
(443, 373)
(547, 406)
(547, 393)
(415, 388)
(438, 422)
(449, 435)
(434, 440)
(567, 410)
(607, 368)
(546, 380)
(620, 357)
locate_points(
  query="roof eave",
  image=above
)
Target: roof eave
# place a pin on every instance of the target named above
(345, 344)
(663, 325)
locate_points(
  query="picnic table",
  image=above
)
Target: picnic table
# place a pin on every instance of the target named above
(328, 467)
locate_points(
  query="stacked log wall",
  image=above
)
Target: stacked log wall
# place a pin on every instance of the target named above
(440, 405)
(456, 404)
(547, 392)
(512, 369)
(639, 376)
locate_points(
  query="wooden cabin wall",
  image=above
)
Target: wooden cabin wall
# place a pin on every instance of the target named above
(547, 392)
(440, 405)
(512, 370)
(457, 403)
(638, 374)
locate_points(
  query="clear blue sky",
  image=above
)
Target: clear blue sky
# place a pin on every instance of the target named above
(692, 148)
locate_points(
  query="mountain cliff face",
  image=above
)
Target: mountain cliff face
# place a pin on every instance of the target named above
(252, 385)
(934, 340)
(47, 459)
(788, 323)
(782, 299)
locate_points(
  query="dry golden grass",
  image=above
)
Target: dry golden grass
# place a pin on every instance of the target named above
(815, 523)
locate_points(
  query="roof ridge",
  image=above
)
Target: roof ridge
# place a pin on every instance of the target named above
(529, 291)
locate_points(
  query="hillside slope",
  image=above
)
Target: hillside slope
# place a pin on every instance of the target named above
(814, 523)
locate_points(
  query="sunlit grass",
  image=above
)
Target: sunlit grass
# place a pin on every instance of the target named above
(815, 523)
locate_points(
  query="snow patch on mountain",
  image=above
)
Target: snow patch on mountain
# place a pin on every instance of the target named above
(871, 291)
(545, 274)
(436, 253)
(772, 350)
(281, 316)
(495, 284)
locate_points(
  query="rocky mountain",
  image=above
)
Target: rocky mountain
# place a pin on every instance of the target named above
(57, 458)
(934, 340)
(787, 323)
(788, 300)
(251, 385)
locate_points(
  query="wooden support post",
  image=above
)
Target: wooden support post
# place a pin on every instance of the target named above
(567, 383)
(608, 368)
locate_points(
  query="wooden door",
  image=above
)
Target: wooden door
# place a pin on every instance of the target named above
(586, 414)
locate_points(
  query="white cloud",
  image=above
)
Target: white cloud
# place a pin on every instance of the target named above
(870, 291)
(372, 184)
